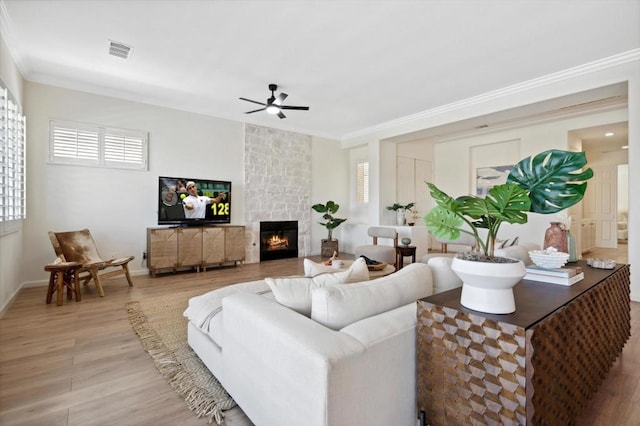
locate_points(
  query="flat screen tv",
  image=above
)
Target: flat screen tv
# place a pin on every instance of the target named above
(189, 201)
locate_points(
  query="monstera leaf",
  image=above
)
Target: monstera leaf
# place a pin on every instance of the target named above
(553, 179)
(443, 223)
(508, 203)
(441, 198)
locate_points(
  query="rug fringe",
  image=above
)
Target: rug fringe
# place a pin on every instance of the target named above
(202, 402)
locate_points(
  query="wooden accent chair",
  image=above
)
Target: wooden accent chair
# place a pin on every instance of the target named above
(463, 240)
(78, 246)
(381, 253)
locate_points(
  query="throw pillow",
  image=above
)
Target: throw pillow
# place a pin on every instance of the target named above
(358, 271)
(295, 292)
(312, 268)
(500, 244)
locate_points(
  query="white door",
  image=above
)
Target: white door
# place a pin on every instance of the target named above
(424, 174)
(605, 183)
(405, 180)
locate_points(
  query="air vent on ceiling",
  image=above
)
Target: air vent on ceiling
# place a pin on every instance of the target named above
(119, 49)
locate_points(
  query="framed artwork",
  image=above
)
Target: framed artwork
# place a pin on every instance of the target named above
(488, 177)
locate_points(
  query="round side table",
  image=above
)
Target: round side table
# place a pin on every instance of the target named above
(63, 275)
(405, 251)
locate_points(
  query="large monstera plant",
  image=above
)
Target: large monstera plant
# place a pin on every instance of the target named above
(546, 183)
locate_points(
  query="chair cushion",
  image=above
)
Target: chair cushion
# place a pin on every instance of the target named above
(386, 254)
(340, 305)
(382, 232)
(78, 246)
(295, 292)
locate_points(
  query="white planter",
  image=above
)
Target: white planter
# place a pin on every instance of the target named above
(400, 219)
(488, 287)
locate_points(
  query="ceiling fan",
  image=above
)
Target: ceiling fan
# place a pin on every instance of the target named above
(274, 103)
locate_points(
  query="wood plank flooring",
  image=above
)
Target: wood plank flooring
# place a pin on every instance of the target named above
(82, 364)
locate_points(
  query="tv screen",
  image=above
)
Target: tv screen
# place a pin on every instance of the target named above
(190, 201)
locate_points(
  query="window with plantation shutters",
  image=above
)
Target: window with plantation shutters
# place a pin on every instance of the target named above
(12, 162)
(122, 148)
(90, 145)
(362, 182)
(71, 143)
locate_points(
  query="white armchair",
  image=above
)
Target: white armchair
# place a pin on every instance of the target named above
(623, 230)
(375, 251)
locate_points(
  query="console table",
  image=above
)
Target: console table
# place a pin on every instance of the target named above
(539, 365)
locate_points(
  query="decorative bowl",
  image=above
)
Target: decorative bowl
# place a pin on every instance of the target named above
(405, 241)
(378, 267)
(549, 259)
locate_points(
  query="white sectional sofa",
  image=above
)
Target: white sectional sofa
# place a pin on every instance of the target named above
(352, 361)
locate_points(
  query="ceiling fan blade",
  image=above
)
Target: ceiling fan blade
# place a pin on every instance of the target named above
(255, 110)
(302, 108)
(281, 115)
(281, 97)
(255, 102)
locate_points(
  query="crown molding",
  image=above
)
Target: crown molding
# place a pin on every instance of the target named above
(5, 31)
(588, 68)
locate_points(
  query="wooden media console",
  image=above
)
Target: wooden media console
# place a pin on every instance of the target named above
(539, 365)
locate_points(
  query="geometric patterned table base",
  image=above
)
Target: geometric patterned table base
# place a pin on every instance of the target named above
(476, 371)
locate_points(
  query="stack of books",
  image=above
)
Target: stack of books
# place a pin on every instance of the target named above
(563, 276)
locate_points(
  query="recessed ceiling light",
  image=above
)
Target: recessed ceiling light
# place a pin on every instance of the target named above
(608, 134)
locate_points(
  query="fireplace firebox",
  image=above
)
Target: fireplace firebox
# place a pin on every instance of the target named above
(278, 240)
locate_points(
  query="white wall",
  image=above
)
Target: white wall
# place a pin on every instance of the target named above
(329, 181)
(117, 205)
(455, 172)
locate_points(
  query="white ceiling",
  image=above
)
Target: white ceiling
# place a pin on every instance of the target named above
(357, 64)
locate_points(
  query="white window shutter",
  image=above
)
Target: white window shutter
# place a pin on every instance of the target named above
(90, 145)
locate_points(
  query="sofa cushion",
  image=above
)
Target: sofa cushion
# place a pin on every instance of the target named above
(295, 292)
(205, 311)
(340, 305)
(358, 270)
(443, 276)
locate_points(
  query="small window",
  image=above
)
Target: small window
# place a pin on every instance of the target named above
(90, 145)
(362, 182)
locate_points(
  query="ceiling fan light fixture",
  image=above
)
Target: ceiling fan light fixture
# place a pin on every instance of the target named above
(274, 104)
(272, 109)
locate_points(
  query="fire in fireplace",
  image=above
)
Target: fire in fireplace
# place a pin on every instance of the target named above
(278, 240)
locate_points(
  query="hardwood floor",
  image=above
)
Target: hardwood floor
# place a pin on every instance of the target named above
(619, 254)
(82, 364)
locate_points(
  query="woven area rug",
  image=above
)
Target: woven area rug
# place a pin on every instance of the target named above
(163, 331)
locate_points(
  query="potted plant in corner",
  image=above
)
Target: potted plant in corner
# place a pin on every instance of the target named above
(546, 183)
(329, 246)
(400, 212)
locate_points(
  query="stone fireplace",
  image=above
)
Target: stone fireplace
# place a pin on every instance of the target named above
(278, 240)
(277, 188)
